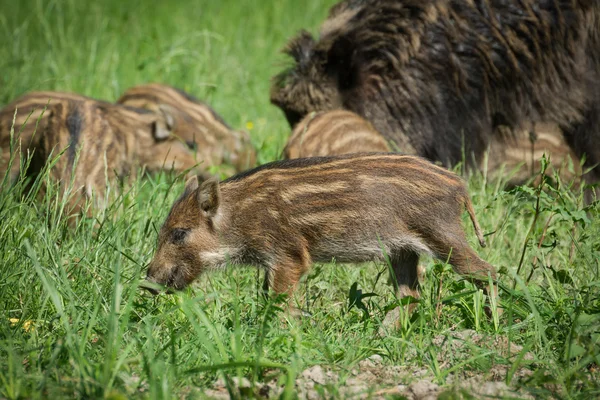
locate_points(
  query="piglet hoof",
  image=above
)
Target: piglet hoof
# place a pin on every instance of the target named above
(393, 319)
(390, 323)
(490, 314)
(298, 313)
(293, 315)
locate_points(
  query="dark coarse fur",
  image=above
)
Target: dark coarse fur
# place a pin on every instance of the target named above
(285, 215)
(431, 74)
(74, 125)
(280, 164)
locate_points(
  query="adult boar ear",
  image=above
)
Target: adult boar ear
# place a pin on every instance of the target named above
(209, 196)
(300, 47)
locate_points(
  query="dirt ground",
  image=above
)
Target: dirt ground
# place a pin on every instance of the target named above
(373, 378)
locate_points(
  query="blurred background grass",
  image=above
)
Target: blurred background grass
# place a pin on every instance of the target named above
(223, 52)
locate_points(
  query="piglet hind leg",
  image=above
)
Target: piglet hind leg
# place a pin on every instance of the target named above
(468, 264)
(405, 279)
(405, 264)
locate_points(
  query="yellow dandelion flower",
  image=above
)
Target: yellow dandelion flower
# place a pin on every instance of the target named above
(27, 325)
(249, 125)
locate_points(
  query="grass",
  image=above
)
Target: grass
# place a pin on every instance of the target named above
(74, 323)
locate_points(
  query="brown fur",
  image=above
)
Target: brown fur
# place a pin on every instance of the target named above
(285, 215)
(431, 74)
(520, 154)
(196, 123)
(333, 133)
(85, 153)
(148, 140)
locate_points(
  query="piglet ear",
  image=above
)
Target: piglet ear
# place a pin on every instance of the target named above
(160, 131)
(209, 196)
(190, 185)
(167, 113)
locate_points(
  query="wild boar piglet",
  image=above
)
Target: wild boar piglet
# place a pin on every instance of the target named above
(520, 155)
(145, 137)
(333, 133)
(85, 153)
(285, 215)
(195, 123)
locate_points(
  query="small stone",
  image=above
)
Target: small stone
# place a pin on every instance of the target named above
(423, 389)
(241, 383)
(376, 359)
(492, 389)
(216, 394)
(219, 383)
(389, 324)
(315, 374)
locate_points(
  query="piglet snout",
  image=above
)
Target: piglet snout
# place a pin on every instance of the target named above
(151, 285)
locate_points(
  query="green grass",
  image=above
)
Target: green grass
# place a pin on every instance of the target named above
(74, 322)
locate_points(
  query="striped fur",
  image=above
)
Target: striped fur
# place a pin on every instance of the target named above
(196, 123)
(147, 135)
(333, 133)
(285, 215)
(518, 154)
(87, 152)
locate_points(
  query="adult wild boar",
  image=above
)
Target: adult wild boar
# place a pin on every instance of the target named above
(432, 74)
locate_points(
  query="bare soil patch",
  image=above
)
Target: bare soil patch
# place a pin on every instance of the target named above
(375, 379)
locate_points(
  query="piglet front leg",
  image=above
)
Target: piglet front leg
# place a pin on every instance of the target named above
(283, 277)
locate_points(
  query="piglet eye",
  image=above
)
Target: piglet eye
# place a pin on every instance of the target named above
(178, 235)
